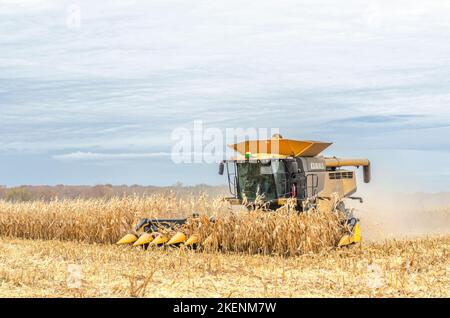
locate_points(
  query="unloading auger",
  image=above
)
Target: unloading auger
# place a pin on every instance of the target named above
(280, 171)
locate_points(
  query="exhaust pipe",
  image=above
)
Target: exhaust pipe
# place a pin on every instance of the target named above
(367, 173)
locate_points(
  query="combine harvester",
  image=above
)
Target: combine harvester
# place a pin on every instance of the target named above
(280, 171)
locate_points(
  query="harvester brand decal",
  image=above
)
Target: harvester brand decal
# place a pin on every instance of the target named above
(317, 166)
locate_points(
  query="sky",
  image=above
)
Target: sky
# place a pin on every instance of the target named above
(92, 91)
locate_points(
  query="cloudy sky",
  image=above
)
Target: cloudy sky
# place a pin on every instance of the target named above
(91, 91)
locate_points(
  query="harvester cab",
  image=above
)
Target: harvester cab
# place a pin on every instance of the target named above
(274, 172)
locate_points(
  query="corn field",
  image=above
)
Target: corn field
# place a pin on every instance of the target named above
(270, 233)
(243, 255)
(396, 268)
(283, 232)
(91, 220)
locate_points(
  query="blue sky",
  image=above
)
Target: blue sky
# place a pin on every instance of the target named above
(90, 91)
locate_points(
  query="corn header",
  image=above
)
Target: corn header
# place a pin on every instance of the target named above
(277, 171)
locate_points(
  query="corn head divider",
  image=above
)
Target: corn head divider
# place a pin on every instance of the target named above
(159, 232)
(281, 171)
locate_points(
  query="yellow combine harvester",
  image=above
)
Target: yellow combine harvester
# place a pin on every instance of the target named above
(277, 170)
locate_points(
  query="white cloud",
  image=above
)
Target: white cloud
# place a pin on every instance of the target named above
(185, 157)
(93, 156)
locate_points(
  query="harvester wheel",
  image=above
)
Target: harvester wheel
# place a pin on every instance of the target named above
(341, 207)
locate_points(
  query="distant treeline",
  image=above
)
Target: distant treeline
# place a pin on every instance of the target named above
(47, 193)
